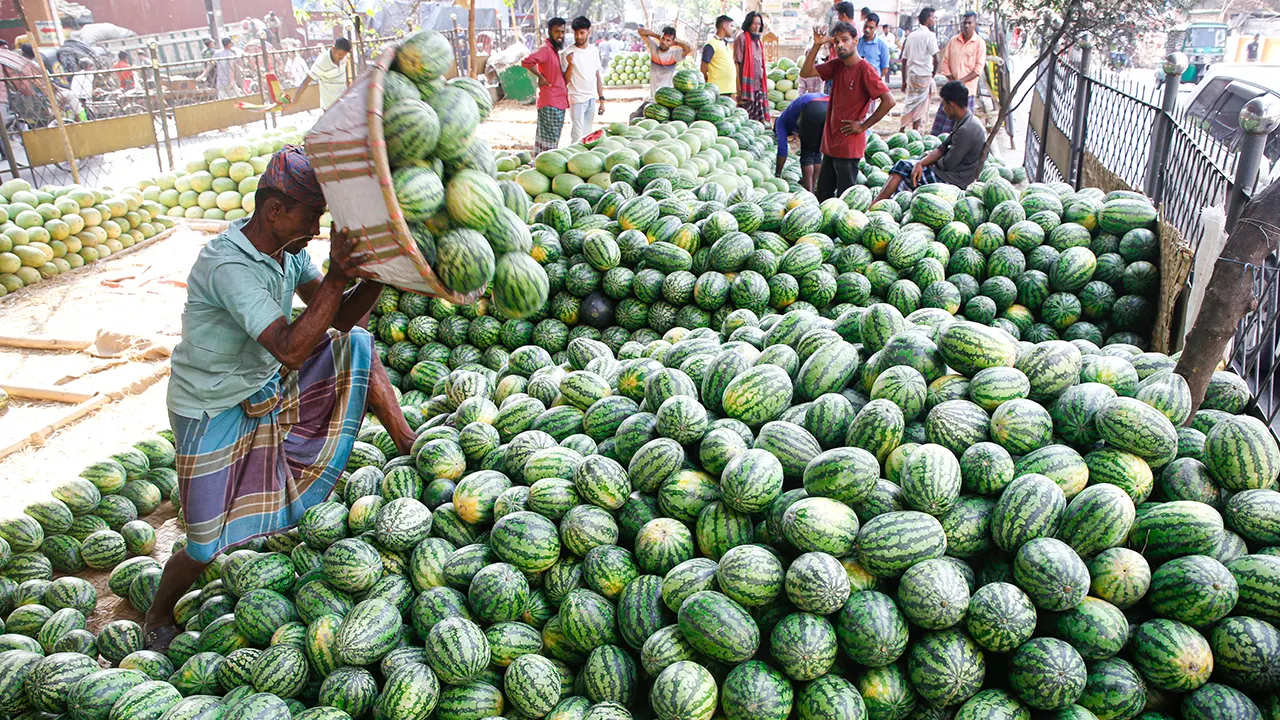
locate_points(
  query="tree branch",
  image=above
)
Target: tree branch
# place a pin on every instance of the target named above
(1007, 105)
(1229, 294)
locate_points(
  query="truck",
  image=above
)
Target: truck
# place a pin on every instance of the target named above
(1204, 44)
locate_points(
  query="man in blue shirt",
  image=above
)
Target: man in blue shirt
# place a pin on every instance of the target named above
(873, 48)
(807, 117)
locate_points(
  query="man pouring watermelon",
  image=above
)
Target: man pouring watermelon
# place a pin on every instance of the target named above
(265, 411)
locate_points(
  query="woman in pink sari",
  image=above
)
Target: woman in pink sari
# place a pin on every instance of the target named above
(748, 53)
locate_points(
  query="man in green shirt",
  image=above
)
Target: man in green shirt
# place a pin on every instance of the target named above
(265, 411)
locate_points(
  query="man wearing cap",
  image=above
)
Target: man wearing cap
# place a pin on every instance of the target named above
(265, 411)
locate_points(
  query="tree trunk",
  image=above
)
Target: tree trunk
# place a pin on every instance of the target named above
(1230, 292)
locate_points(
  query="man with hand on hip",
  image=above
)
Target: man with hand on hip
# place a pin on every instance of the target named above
(854, 85)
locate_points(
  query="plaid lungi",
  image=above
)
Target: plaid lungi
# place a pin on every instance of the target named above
(903, 169)
(550, 123)
(255, 468)
(919, 91)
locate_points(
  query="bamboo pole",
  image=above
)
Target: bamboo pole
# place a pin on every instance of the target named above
(537, 26)
(31, 342)
(40, 436)
(471, 38)
(92, 403)
(48, 90)
(47, 394)
(645, 7)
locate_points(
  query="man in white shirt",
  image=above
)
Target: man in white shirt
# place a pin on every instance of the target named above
(581, 64)
(296, 69)
(82, 82)
(919, 65)
(329, 71)
(225, 70)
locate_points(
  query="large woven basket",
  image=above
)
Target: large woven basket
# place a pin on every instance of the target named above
(349, 154)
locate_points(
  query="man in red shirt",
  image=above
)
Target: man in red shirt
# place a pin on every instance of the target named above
(854, 84)
(124, 70)
(553, 95)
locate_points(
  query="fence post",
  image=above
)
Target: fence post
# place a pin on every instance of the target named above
(4, 134)
(160, 104)
(1258, 118)
(1047, 111)
(1174, 65)
(1078, 112)
(270, 120)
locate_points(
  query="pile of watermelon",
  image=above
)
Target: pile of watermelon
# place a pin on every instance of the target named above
(50, 230)
(849, 518)
(689, 98)
(750, 457)
(650, 251)
(782, 82)
(444, 179)
(221, 184)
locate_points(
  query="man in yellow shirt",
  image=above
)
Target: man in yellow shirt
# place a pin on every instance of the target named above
(717, 58)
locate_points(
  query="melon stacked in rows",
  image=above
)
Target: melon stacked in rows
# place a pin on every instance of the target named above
(444, 179)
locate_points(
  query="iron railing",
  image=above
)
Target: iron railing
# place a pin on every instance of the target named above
(1257, 342)
(1137, 132)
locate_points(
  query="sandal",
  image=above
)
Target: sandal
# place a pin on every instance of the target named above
(159, 639)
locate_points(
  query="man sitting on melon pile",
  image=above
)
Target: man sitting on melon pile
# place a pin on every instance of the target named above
(265, 411)
(957, 161)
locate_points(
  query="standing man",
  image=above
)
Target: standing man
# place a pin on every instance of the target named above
(962, 59)
(605, 48)
(265, 411)
(124, 70)
(717, 58)
(1253, 49)
(582, 80)
(553, 96)
(748, 55)
(664, 52)
(272, 21)
(806, 116)
(873, 48)
(919, 65)
(225, 70)
(330, 73)
(854, 85)
(958, 160)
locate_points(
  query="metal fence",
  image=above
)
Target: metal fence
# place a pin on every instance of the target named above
(1257, 340)
(1125, 126)
(131, 123)
(1137, 134)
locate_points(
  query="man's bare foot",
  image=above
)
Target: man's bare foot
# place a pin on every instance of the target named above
(158, 639)
(403, 438)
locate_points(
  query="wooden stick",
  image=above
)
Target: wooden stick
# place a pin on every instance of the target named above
(53, 394)
(471, 37)
(40, 436)
(43, 343)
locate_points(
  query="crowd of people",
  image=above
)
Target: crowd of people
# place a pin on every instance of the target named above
(847, 71)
